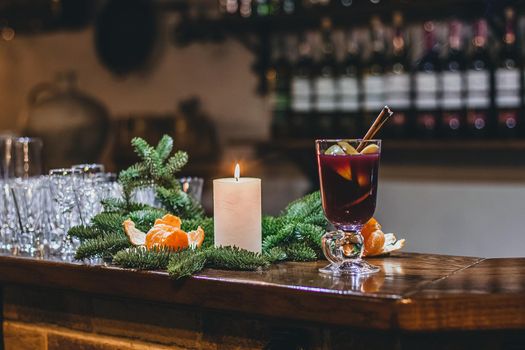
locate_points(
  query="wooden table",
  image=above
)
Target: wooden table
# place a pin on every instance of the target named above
(416, 300)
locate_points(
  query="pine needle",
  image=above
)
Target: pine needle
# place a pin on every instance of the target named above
(186, 263)
(233, 258)
(103, 246)
(83, 232)
(143, 259)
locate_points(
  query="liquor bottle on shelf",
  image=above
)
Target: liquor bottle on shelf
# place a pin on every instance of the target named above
(507, 80)
(453, 118)
(274, 7)
(301, 89)
(261, 8)
(397, 81)
(478, 79)
(373, 74)
(230, 7)
(427, 86)
(348, 89)
(289, 7)
(324, 83)
(278, 78)
(245, 8)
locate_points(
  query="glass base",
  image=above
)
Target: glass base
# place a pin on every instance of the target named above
(350, 267)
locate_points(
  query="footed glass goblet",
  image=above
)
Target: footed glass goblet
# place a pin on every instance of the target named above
(348, 181)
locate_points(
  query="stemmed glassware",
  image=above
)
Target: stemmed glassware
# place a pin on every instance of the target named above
(348, 181)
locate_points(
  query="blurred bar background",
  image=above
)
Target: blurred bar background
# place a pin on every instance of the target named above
(256, 81)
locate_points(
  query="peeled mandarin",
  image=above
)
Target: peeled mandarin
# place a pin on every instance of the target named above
(370, 149)
(166, 236)
(369, 227)
(374, 243)
(169, 219)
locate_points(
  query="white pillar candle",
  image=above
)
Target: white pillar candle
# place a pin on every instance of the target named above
(237, 212)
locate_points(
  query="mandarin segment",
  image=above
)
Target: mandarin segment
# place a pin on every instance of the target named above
(374, 243)
(166, 236)
(370, 226)
(170, 220)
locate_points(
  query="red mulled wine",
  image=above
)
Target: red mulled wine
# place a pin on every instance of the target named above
(348, 187)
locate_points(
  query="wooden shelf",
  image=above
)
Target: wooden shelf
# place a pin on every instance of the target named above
(416, 145)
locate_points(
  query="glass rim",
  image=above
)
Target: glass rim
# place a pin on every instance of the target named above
(339, 140)
(63, 172)
(27, 140)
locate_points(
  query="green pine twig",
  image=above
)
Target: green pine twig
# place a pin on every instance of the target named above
(233, 258)
(102, 246)
(141, 258)
(186, 263)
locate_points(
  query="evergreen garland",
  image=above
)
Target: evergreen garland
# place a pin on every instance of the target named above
(295, 235)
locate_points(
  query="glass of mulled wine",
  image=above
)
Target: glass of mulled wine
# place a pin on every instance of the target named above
(348, 171)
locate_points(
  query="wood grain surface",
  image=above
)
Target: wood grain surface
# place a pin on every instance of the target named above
(413, 292)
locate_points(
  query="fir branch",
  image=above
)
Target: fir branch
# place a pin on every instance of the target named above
(275, 254)
(108, 222)
(179, 203)
(310, 234)
(300, 252)
(176, 162)
(143, 259)
(164, 147)
(304, 207)
(186, 263)
(283, 236)
(149, 156)
(102, 246)
(233, 258)
(118, 205)
(134, 177)
(83, 232)
(144, 219)
(271, 225)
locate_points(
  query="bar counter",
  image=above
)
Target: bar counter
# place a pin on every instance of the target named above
(417, 299)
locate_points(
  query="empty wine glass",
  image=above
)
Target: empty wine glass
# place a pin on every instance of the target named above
(29, 202)
(10, 222)
(89, 180)
(66, 210)
(28, 157)
(7, 166)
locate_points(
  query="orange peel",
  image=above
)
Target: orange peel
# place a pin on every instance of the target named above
(135, 236)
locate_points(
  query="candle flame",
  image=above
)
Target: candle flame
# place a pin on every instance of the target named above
(237, 172)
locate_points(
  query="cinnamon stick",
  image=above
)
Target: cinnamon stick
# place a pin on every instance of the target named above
(376, 126)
